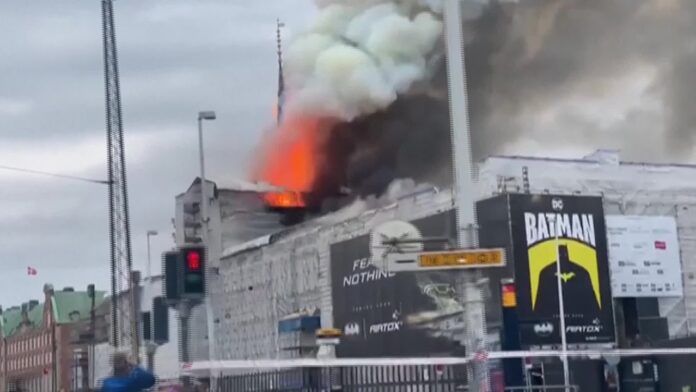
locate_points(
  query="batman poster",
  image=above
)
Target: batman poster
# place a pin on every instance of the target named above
(387, 314)
(547, 228)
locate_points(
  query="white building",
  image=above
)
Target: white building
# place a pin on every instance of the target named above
(261, 281)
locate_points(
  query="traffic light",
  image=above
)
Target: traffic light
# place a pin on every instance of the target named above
(193, 276)
(171, 276)
(160, 321)
(146, 323)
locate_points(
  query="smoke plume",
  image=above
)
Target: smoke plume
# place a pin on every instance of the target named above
(597, 73)
(359, 57)
(541, 74)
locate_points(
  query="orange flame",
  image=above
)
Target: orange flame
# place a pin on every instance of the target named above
(289, 161)
(288, 199)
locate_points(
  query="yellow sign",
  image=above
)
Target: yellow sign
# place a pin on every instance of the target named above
(463, 258)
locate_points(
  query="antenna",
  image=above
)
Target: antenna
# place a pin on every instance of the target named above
(281, 78)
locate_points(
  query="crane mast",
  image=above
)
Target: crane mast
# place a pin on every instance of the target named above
(123, 305)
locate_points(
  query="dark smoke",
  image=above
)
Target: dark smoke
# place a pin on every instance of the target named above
(522, 61)
(410, 139)
(525, 59)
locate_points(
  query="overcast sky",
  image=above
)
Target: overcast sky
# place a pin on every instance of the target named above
(176, 57)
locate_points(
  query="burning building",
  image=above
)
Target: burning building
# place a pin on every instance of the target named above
(363, 111)
(361, 108)
(321, 269)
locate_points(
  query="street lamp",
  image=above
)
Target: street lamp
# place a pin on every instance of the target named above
(150, 233)
(206, 115)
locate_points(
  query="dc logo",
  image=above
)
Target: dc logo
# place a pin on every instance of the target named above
(557, 204)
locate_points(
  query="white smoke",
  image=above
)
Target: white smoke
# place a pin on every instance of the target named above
(360, 55)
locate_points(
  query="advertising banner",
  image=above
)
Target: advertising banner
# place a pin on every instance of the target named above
(644, 256)
(404, 314)
(547, 228)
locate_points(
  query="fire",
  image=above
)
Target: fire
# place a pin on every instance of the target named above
(289, 161)
(288, 199)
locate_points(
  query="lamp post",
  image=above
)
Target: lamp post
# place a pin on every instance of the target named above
(150, 233)
(206, 115)
(465, 180)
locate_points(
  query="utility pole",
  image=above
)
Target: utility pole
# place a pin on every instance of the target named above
(561, 309)
(184, 307)
(474, 338)
(123, 316)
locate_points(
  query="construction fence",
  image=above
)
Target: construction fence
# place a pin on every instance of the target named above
(423, 378)
(644, 370)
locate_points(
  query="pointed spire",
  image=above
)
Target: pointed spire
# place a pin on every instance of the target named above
(281, 79)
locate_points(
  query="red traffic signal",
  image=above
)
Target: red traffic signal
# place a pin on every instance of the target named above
(193, 260)
(192, 272)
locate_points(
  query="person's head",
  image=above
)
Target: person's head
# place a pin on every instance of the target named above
(120, 363)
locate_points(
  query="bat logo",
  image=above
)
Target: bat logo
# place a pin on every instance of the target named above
(351, 329)
(566, 276)
(544, 329)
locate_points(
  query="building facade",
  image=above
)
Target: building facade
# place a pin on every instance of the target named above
(260, 283)
(39, 342)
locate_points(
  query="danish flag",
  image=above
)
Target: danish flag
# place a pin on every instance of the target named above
(32, 271)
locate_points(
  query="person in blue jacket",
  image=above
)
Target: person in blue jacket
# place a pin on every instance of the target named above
(127, 377)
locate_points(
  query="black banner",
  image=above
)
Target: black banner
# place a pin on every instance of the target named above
(546, 228)
(405, 314)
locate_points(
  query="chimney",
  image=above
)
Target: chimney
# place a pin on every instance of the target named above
(25, 314)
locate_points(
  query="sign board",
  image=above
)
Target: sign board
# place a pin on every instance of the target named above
(569, 229)
(444, 260)
(463, 258)
(644, 256)
(398, 315)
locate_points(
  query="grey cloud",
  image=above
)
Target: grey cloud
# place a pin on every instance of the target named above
(176, 57)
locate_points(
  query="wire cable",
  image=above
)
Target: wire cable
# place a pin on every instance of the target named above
(63, 176)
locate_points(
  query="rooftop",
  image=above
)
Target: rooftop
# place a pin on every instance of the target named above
(68, 307)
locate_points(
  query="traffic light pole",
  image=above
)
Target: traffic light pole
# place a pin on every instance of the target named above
(184, 308)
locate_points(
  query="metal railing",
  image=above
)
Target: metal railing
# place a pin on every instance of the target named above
(397, 378)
